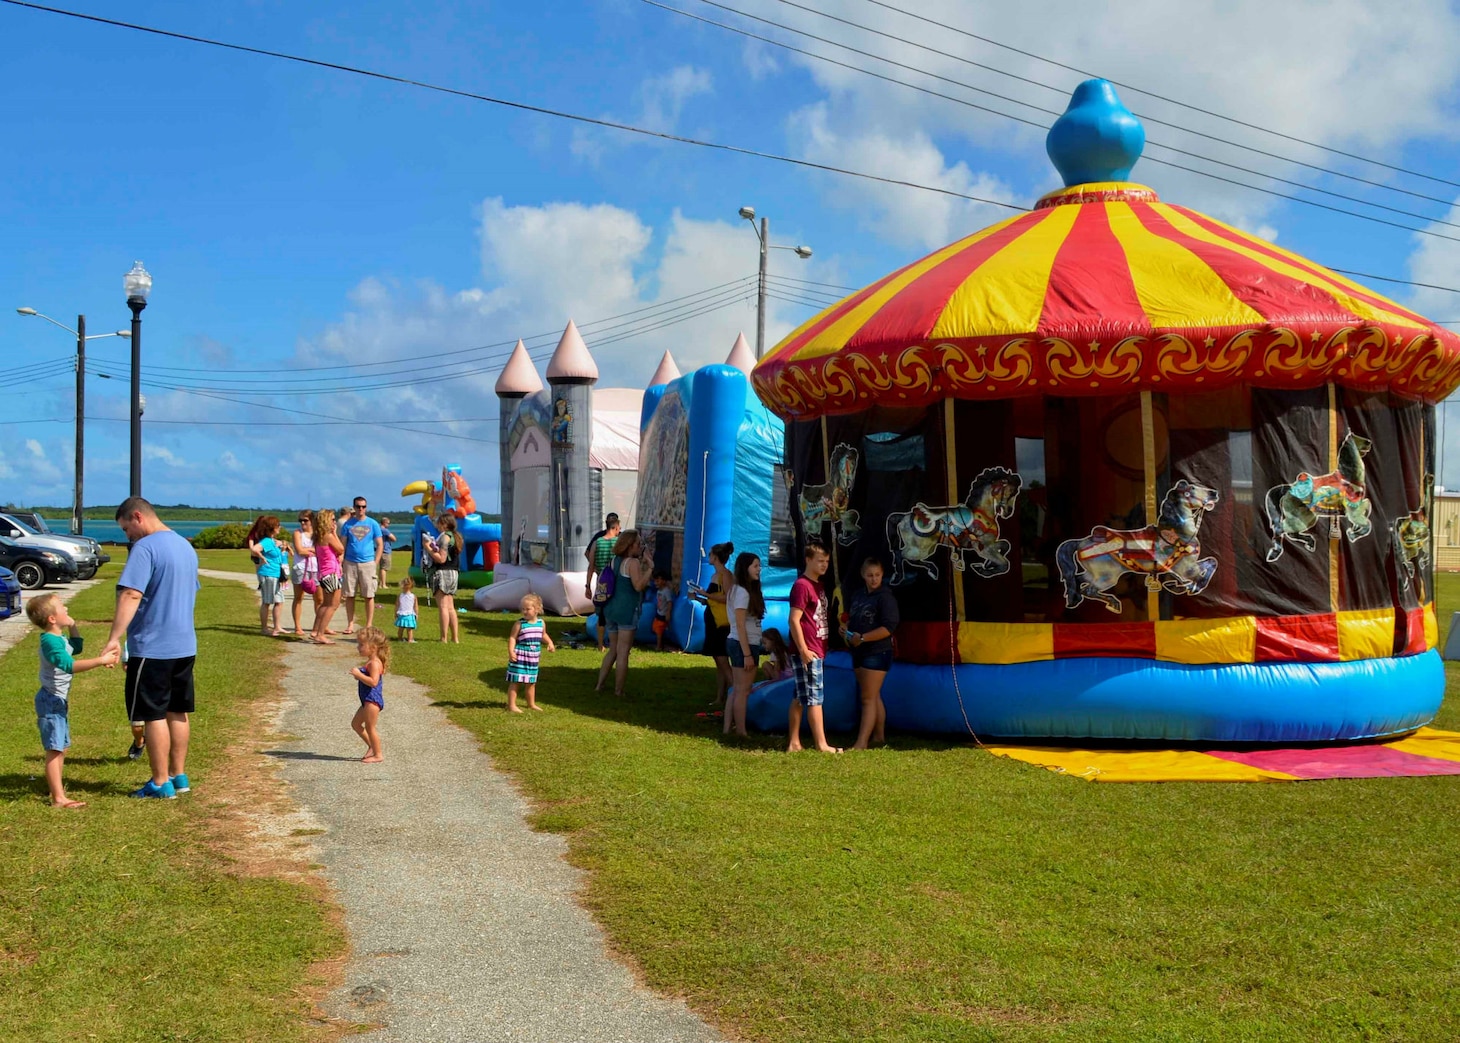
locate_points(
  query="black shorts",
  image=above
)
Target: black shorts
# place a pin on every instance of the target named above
(158, 687)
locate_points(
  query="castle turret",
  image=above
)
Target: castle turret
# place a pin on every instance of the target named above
(518, 380)
(741, 357)
(571, 374)
(659, 383)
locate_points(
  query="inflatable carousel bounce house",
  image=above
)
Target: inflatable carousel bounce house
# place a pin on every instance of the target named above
(1136, 474)
(710, 471)
(569, 455)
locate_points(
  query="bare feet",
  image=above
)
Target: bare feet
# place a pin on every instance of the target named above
(370, 758)
(534, 706)
(514, 709)
(794, 747)
(829, 749)
(323, 641)
(68, 804)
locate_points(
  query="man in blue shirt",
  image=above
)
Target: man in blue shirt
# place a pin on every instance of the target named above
(155, 598)
(363, 544)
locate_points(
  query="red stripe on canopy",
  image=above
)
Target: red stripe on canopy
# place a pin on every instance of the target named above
(1091, 277)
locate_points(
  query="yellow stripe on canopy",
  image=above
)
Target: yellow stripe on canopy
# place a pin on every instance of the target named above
(1362, 309)
(836, 334)
(1176, 288)
(1005, 294)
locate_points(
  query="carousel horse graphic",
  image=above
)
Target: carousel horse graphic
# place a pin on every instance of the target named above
(1167, 553)
(1412, 546)
(967, 528)
(1293, 510)
(828, 503)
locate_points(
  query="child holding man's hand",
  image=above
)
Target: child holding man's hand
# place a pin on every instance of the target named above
(52, 702)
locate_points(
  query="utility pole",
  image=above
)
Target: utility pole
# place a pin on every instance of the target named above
(78, 510)
(765, 252)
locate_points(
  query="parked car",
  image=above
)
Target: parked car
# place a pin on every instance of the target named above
(35, 567)
(36, 522)
(9, 594)
(84, 557)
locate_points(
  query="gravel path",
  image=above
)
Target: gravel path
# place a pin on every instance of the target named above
(463, 921)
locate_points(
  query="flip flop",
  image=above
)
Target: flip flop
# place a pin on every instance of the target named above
(69, 805)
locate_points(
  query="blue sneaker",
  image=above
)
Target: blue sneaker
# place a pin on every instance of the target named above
(180, 784)
(152, 789)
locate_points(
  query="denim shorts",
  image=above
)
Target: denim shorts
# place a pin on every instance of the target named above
(737, 655)
(269, 590)
(50, 717)
(810, 688)
(618, 628)
(879, 661)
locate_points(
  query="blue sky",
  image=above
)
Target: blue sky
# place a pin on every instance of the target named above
(298, 217)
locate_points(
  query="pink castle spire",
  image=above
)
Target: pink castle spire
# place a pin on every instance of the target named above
(519, 377)
(741, 357)
(666, 372)
(571, 360)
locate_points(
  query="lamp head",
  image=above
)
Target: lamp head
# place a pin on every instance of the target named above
(25, 311)
(748, 212)
(137, 283)
(803, 252)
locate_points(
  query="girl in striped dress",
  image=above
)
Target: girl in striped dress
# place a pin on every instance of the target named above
(524, 652)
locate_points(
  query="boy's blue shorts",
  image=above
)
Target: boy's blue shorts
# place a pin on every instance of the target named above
(810, 686)
(50, 717)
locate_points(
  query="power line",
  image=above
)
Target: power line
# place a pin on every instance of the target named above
(518, 105)
(1171, 101)
(1036, 124)
(586, 327)
(283, 386)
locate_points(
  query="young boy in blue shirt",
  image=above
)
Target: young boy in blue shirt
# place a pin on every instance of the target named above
(52, 702)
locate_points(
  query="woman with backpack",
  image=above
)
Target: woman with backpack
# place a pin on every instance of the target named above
(445, 554)
(629, 576)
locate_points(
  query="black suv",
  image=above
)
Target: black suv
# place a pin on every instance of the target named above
(35, 567)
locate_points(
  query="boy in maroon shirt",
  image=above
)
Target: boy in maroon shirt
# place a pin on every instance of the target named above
(808, 646)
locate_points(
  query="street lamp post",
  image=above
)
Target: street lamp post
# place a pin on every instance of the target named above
(138, 284)
(77, 522)
(763, 233)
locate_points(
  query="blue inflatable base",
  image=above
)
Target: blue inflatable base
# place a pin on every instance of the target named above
(1135, 699)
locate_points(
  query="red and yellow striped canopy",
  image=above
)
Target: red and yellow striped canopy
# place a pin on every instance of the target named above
(1103, 289)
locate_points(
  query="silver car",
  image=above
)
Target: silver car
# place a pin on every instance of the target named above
(87, 560)
(32, 520)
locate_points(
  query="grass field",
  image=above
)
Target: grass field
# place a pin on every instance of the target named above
(930, 891)
(124, 921)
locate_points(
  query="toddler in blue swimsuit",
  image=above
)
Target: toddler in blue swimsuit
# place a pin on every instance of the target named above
(370, 678)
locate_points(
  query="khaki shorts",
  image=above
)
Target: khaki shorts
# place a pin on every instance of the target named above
(360, 579)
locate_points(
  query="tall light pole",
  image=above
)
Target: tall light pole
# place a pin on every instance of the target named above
(81, 338)
(137, 284)
(763, 233)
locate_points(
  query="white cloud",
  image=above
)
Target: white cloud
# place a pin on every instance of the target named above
(1343, 72)
(664, 97)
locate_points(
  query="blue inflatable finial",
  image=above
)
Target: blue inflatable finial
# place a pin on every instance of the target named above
(1097, 138)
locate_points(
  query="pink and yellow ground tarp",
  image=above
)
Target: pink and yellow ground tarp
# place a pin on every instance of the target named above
(1428, 751)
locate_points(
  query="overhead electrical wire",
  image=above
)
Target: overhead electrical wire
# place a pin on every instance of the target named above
(1062, 90)
(1041, 126)
(504, 102)
(1168, 100)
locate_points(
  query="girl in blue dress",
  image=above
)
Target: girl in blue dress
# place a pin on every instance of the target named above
(375, 647)
(524, 652)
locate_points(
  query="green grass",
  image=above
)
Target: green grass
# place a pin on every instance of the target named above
(120, 921)
(930, 891)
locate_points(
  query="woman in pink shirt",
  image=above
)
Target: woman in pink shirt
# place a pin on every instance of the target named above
(327, 551)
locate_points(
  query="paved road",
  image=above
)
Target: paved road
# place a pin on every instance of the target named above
(463, 921)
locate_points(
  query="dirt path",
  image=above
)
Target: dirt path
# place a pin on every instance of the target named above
(462, 920)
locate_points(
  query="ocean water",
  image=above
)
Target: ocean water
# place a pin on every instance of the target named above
(111, 532)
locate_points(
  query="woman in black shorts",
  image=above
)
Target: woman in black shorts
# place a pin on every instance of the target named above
(871, 619)
(717, 618)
